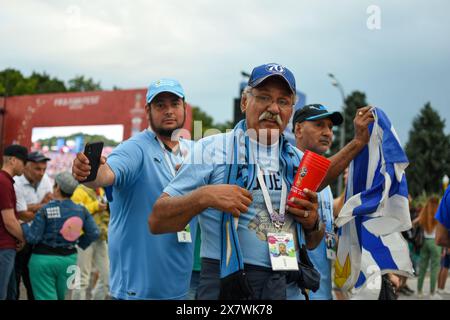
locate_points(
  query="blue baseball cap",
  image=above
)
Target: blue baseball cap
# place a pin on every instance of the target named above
(261, 73)
(313, 112)
(164, 85)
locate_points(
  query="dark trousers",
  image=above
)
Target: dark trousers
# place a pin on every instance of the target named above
(265, 283)
(21, 270)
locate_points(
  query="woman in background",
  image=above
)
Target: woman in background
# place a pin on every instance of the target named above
(430, 252)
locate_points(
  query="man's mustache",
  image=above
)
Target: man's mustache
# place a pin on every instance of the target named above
(327, 141)
(266, 115)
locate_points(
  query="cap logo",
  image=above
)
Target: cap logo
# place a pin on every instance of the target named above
(275, 68)
(319, 107)
(164, 82)
(303, 173)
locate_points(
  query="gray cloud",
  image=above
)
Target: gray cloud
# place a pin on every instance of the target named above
(206, 44)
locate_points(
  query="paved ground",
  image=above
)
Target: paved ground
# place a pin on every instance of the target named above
(412, 284)
(367, 294)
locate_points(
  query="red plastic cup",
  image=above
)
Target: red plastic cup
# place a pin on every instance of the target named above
(310, 174)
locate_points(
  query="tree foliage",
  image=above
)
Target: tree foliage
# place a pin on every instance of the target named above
(80, 83)
(428, 151)
(14, 83)
(353, 102)
(208, 126)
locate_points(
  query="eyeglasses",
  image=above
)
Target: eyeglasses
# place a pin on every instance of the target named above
(267, 101)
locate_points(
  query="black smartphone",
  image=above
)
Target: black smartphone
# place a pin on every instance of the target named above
(93, 151)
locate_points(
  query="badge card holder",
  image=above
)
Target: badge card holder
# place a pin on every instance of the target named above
(185, 235)
(330, 241)
(282, 251)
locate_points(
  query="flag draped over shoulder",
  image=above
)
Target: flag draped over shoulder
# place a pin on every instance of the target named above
(376, 210)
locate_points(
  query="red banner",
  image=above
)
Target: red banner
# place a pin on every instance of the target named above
(20, 114)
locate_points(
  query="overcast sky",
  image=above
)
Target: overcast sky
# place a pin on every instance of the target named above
(206, 44)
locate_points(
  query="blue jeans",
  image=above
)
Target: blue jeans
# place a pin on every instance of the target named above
(7, 257)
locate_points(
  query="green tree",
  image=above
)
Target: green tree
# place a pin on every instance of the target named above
(428, 151)
(353, 102)
(208, 125)
(223, 127)
(80, 83)
(13, 83)
(42, 83)
(207, 122)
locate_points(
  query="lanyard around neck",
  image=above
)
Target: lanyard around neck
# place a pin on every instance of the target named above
(167, 157)
(277, 218)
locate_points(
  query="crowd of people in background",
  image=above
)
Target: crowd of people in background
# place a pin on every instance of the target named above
(148, 226)
(60, 231)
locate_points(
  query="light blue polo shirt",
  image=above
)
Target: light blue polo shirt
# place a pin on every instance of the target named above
(143, 265)
(318, 256)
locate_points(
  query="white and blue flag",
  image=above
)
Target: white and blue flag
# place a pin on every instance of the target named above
(376, 210)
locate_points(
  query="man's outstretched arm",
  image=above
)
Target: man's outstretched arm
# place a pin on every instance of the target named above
(81, 170)
(172, 214)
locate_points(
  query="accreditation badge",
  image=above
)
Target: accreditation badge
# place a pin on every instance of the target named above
(185, 235)
(282, 251)
(331, 243)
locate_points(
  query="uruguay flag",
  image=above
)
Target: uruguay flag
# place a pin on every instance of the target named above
(376, 210)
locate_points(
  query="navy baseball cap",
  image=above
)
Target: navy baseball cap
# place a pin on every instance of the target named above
(261, 73)
(312, 112)
(164, 85)
(36, 156)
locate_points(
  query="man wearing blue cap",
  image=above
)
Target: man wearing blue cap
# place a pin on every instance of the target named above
(145, 266)
(238, 183)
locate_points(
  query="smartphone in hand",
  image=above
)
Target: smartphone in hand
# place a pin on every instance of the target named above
(93, 151)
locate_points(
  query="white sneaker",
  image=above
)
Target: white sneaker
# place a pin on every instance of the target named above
(443, 291)
(435, 296)
(419, 295)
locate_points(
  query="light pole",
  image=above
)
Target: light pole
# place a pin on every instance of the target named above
(245, 74)
(335, 82)
(445, 181)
